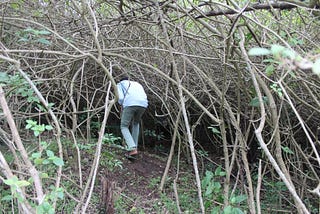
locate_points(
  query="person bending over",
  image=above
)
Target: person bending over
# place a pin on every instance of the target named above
(134, 102)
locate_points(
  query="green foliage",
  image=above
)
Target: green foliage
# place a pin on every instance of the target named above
(276, 89)
(37, 156)
(43, 160)
(255, 101)
(19, 86)
(5, 194)
(202, 153)
(282, 54)
(167, 203)
(110, 161)
(213, 193)
(109, 138)
(37, 128)
(49, 159)
(287, 150)
(94, 120)
(31, 35)
(15, 186)
(257, 51)
(154, 182)
(16, 82)
(215, 131)
(86, 146)
(15, 6)
(46, 206)
(272, 194)
(153, 134)
(4, 78)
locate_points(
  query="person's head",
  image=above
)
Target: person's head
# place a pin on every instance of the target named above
(124, 77)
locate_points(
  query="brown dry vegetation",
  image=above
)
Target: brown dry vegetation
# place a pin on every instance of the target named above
(256, 116)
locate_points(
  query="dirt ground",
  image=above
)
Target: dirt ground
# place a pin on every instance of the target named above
(137, 182)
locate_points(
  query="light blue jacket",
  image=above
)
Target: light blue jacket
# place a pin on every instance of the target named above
(131, 93)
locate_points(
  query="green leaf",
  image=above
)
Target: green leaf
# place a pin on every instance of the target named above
(44, 32)
(38, 161)
(36, 155)
(277, 49)
(44, 41)
(7, 198)
(255, 101)
(209, 190)
(238, 199)
(48, 127)
(269, 70)
(214, 130)
(289, 54)
(44, 175)
(60, 193)
(36, 133)
(237, 211)
(28, 126)
(50, 153)
(287, 150)
(15, 6)
(9, 182)
(228, 210)
(217, 187)
(23, 183)
(219, 172)
(316, 67)
(215, 210)
(46, 161)
(32, 122)
(44, 144)
(259, 51)
(30, 30)
(23, 39)
(4, 77)
(58, 161)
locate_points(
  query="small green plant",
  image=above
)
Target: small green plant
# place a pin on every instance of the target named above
(86, 146)
(153, 134)
(166, 203)
(284, 55)
(277, 89)
(46, 206)
(37, 128)
(203, 153)
(19, 86)
(15, 186)
(154, 182)
(111, 139)
(215, 131)
(50, 158)
(256, 103)
(213, 193)
(273, 192)
(34, 36)
(109, 161)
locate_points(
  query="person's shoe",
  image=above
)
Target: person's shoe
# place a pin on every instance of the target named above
(130, 157)
(133, 152)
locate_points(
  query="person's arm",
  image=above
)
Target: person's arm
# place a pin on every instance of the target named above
(121, 95)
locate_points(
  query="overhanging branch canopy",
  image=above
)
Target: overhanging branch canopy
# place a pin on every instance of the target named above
(290, 4)
(280, 5)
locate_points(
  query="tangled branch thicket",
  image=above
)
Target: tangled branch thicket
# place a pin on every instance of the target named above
(197, 74)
